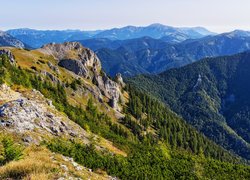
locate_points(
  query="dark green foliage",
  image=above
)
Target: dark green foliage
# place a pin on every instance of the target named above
(9, 150)
(74, 84)
(149, 162)
(169, 127)
(218, 105)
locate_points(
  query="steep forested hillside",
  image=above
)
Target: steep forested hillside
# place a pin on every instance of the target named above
(142, 139)
(212, 95)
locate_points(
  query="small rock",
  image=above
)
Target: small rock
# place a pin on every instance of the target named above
(54, 130)
(74, 164)
(78, 168)
(49, 115)
(64, 167)
(72, 134)
(61, 129)
(28, 139)
(49, 102)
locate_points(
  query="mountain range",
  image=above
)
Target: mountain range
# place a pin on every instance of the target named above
(8, 40)
(37, 38)
(147, 55)
(144, 50)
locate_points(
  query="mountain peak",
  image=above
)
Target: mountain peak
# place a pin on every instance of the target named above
(67, 45)
(156, 25)
(75, 57)
(237, 33)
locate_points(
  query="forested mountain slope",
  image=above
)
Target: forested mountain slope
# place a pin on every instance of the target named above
(212, 95)
(57, 99)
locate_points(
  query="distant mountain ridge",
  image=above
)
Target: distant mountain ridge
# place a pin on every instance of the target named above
(8, 40)
(37, 38)
(149, 55)
(175, 47)
(155, 31)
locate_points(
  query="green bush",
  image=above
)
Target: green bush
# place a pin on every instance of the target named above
(9, 150)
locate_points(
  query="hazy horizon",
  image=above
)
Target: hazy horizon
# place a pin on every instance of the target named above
(216, 16)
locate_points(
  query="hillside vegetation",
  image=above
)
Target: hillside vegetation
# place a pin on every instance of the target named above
(212, 95)
(142, 139)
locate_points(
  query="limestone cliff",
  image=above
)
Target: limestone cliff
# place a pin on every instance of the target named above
(85, 63)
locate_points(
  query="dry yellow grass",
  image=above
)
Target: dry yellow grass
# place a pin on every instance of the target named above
(109, 146)
(39, 163)
(37, 176)
(36, 161)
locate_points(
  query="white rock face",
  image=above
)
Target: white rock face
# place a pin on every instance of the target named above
(110, 89)
(198, 83)
(119, 80)
(6, 94)
(9, 55)
(33, 113)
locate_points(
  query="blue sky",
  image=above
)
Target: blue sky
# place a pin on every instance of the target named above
(216, 15)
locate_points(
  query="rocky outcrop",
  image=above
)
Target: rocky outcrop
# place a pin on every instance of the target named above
(51, 77)
(6, 94)
(119, 80)
(84, 62)
(54, 68)
(75, 66)
(32, 113)
(74, 57)
(9, 54)
(110, 89)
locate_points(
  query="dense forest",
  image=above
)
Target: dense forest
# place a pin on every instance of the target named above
(159, 144)
(212, 95)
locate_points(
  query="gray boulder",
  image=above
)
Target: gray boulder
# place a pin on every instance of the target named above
(9, 54)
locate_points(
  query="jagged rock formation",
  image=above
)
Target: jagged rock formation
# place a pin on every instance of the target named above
(32, 113)
(85, 63)
(198, 83)
(109, 88)
(8, 54)
(74, 57)
(119, 80)
(51, 76)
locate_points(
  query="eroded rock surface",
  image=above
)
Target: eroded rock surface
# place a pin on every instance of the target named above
(8, 54)
(85, 63)
(32, 113)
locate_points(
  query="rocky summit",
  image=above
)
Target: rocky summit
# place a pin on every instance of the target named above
(85, 63)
